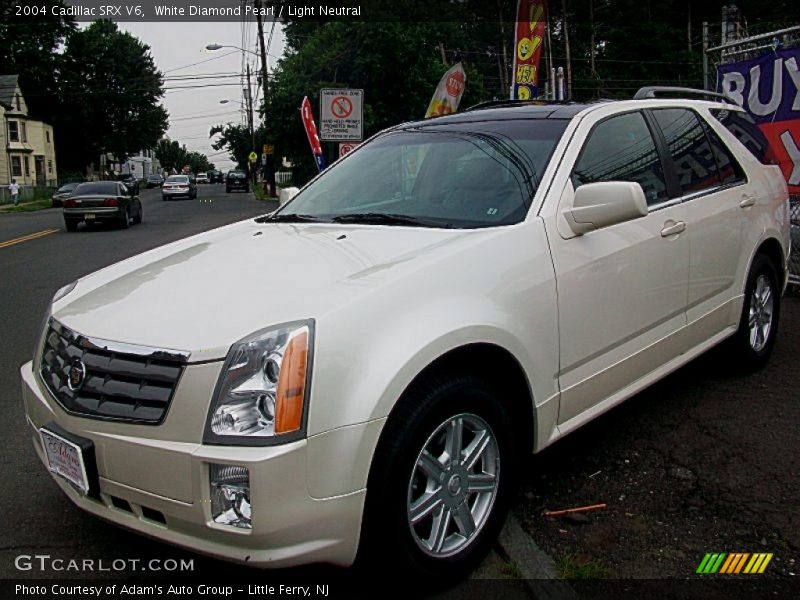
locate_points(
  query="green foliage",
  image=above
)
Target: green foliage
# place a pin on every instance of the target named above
(581, 567)
(237, 140)
(28, 48)
(110, 90)
(172, 155)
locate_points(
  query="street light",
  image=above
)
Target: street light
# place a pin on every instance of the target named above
(215, 47)
(225, 101)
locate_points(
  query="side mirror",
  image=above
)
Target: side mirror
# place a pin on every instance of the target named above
(598, 205)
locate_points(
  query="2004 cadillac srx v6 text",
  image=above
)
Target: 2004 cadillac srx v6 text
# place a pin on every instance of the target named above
(360, 373)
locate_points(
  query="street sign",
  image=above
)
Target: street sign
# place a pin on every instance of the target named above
(253, 157)
(347, 147)
(263, 160)
(268, 149)
(341, 115)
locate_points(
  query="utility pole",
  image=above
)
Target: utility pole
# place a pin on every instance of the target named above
(705, 55)
(265, 84)
(567, 50)
(250, 122)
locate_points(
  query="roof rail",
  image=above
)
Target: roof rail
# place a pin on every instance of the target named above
(653, 91)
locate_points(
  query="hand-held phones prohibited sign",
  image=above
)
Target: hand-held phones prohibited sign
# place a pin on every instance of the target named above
(341, 114)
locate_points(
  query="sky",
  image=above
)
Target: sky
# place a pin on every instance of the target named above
(177, 48)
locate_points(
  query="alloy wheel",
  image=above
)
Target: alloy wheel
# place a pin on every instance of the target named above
(761, 311)
(453, 485)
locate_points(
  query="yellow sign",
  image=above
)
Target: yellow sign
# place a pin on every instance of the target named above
(253, 157)
(268, 149)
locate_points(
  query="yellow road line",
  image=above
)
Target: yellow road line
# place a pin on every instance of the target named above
(27, 238)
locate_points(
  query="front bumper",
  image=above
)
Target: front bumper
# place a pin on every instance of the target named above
(165, 484)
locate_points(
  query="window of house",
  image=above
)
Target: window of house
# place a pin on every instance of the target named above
(13, 131)
(690, 150)
(19, 106)
(622, 149)
(47, 135)
(23, 131)
(49, 166)
(16, 166)
(27, 167)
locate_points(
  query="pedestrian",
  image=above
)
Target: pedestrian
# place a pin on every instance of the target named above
(13, 187)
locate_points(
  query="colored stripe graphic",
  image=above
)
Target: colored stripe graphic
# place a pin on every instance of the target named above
(734, 563)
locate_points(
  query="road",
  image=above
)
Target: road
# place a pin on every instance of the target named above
(707, 460)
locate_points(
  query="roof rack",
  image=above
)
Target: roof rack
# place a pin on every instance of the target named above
(653, 91)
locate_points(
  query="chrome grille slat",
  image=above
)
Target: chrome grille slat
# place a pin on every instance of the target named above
(123, 382)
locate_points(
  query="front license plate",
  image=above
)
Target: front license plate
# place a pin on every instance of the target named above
(65, 459)
(89, 216)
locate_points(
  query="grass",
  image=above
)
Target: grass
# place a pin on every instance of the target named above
(30, 206)
(259, 193)
(576, 567)
(511, 569)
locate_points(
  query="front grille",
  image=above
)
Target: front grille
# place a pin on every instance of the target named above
(113, 381)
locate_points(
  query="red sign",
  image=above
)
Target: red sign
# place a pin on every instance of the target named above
(455, 84)
(528, 48)
(346, 148)
(341, 107)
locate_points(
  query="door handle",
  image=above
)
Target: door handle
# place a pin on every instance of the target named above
(673, 228)
(747, 201)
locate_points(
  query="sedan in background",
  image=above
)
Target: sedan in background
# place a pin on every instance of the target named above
(179, 185)
(130, 181)
(202, 178)
(102, 201)
(64, 192)
(237, 180)
(154, 181)
(216, 176)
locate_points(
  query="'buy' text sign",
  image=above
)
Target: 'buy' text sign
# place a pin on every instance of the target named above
(341, 115)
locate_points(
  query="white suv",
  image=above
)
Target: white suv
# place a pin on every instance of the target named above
(365, 369)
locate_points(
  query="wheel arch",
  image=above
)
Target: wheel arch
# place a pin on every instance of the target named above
(773, 250)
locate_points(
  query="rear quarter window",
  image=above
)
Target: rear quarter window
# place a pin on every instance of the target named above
(742, 125)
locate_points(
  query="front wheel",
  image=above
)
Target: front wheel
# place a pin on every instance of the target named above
(753, 342)
(442, 478)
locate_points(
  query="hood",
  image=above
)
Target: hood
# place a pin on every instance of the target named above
(206, 292)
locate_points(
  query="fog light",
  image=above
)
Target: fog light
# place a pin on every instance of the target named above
(230, 495)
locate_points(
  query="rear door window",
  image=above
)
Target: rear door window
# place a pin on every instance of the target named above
(690, 149)
(742, 125)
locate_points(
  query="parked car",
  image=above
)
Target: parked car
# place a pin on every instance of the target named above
(102, 201)
(202, 178)
(154, 180)
(64, 192)
(216, 177)
(236, 180)
(539, 263)
(129, 179)
(179, 185)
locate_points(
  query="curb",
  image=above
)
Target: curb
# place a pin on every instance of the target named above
(536, 568)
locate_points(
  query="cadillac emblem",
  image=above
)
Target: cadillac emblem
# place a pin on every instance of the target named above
(76, 375)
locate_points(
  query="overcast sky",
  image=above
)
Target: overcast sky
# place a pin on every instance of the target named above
(192, 112)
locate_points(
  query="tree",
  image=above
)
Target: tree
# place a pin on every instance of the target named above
(29, 48)
(236, 139)
(173, 155)
(110, 89)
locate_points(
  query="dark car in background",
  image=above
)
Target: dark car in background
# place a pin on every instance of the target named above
(64, 192)
(102, 201)
(129, 179)
(179, 185)
(216, 176)
(154, 180)
(237, 180)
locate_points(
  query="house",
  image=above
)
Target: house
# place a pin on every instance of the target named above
(29, 154)
(141, 164)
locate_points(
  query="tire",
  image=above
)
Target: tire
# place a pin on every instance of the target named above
(399, 486)
(125, 220)
(137, 220)
(71, 224)
(752, 344)
(163, 197)
(227, 190)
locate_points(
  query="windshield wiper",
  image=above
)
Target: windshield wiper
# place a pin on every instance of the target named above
(289, 218)
(381, 219)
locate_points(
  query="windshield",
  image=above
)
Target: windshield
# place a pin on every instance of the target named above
(464, 175)
(98, 187)
(177, 179)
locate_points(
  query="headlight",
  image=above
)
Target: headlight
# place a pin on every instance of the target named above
(63, 291)
(260, 397)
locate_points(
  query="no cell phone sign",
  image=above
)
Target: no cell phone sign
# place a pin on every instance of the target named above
(341, 114)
